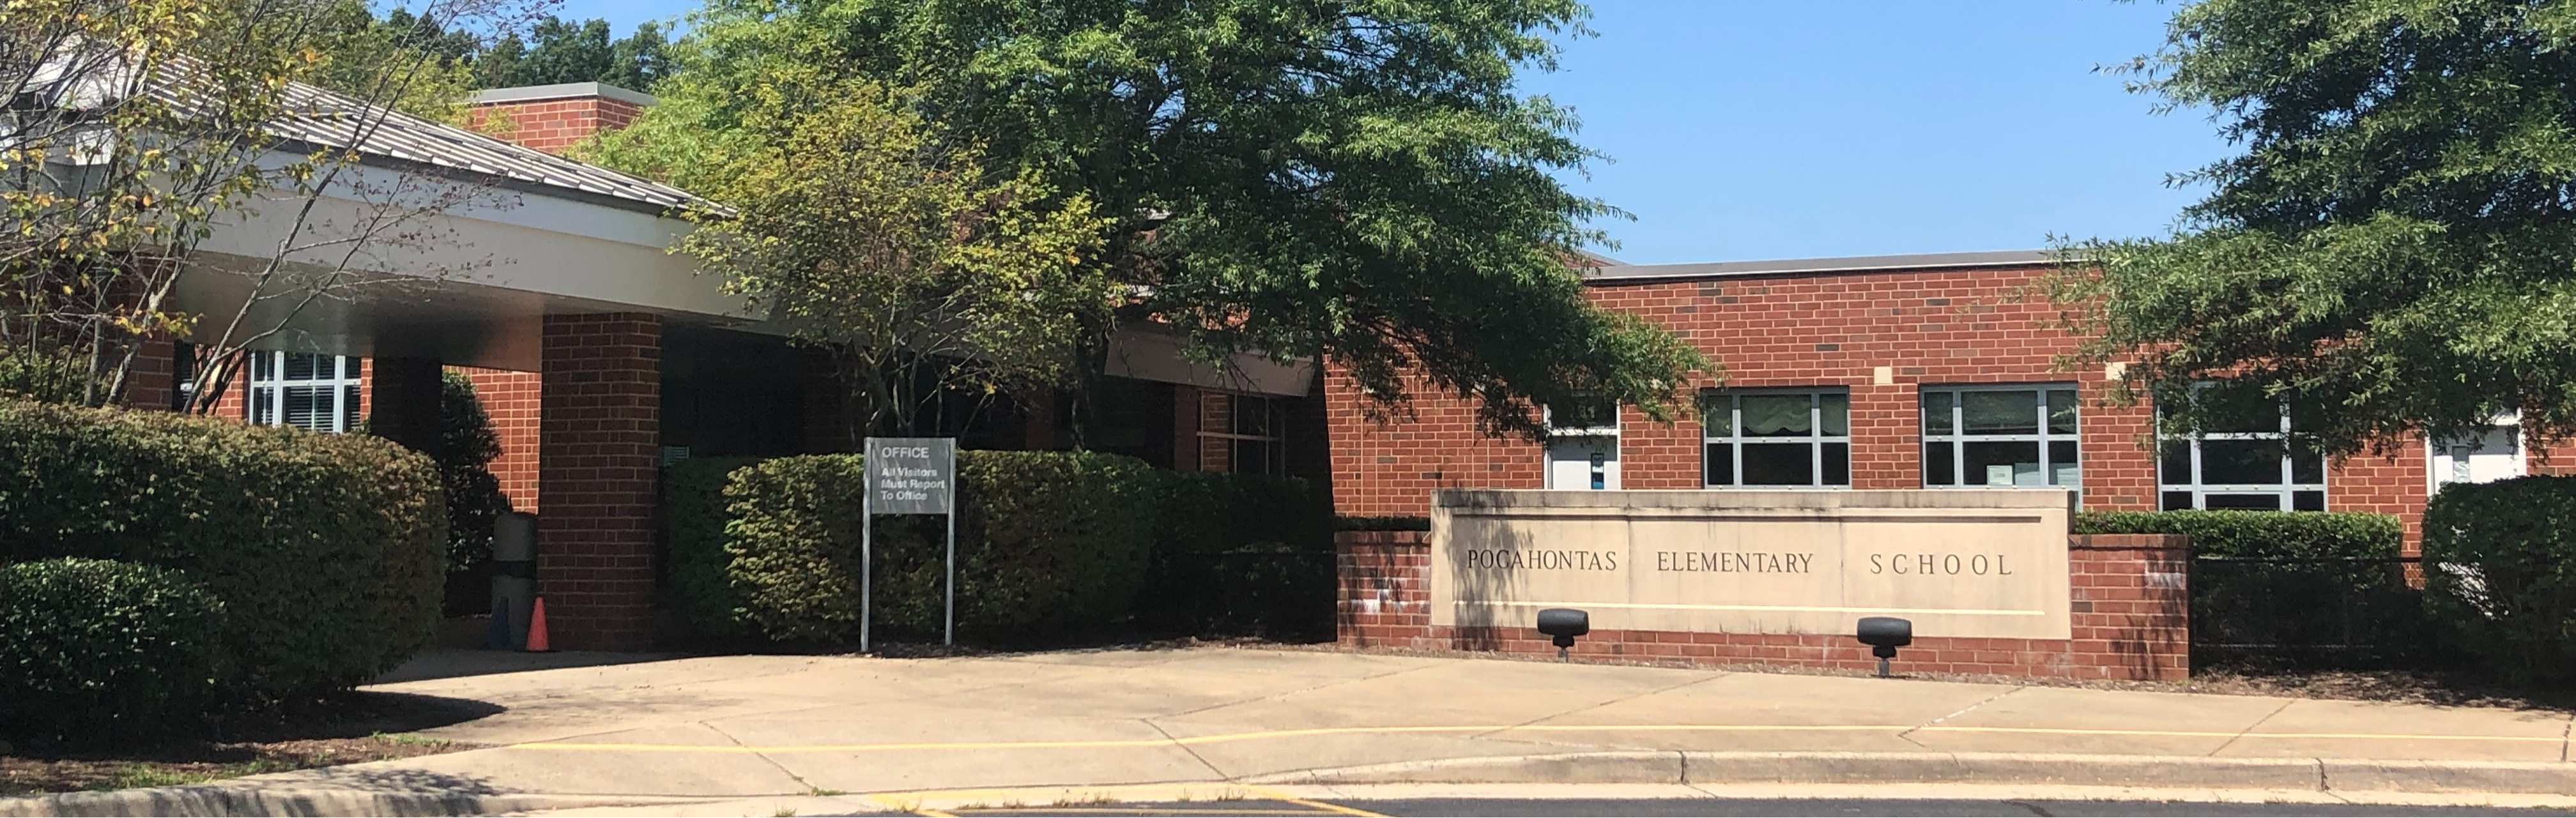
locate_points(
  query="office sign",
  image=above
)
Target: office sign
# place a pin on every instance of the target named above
(912, 475)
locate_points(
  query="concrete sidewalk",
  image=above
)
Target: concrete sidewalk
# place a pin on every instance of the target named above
(742, 726)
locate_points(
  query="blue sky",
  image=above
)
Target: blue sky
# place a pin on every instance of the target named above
(1755, 130)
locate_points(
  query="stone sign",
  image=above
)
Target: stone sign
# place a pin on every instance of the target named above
(912, 475)
(1959, 563)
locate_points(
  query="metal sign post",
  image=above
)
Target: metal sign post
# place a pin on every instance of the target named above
(906, 475)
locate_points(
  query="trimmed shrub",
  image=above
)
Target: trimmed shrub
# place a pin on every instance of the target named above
(328, 551)
(2500, 568)
(1395, 523)
(1241, 554)
(467, 444)
(2295, 588)
(1047, 542)
(2259, 533)
(695, 565)
(99, 650)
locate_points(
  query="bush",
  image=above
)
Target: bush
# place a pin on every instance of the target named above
(2500, 568)
(2296, 588)
(466, 446)
(1393, 523)
(1046, 541)
(98, 650)
(326, 550)
(694, 563)
(2259, 533)
(1241, 554)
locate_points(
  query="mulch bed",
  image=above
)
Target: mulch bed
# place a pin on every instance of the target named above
(344, 728)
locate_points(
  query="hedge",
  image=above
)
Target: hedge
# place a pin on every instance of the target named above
(99, 650)
(2500, 568)
(327, 550)
(1047, 542)
(1241, 554)
(2259, 533)
(2292, 588)
(695, 566)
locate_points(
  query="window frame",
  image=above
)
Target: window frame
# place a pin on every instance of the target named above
(1958, 438)
(1274, 444)
(1815, 441)
(264, 392)
(2287, 490)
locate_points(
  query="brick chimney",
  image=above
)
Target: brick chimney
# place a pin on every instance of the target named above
(551, 118)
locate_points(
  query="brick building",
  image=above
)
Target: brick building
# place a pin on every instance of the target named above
(1884, 373)
(601, 357)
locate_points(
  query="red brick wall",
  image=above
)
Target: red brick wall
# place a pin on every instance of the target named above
(513, 401)
(1927, 327)
(551, 125)
(598, 451)
(2131, 619)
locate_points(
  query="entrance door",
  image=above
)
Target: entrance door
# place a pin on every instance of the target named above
(1584, 462)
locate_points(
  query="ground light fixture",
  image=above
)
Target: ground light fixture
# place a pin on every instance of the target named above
(1564, 624)
(1883, 635)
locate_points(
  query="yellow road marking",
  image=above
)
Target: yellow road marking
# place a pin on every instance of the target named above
(1218, 738)
(1276, 795)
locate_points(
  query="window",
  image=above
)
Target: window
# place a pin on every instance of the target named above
(1777, 438)
(2486, 455)
(2000, 436)
(317, 392)
(1249, 429)
(2252, 462)
(1583, 446)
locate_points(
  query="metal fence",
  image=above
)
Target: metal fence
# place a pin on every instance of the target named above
(2352, 612)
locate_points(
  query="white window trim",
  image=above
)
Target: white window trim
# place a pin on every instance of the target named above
(1815, 441)
(1547, 415)
(1959, 424)
(2287, 489)
(2511, 421)
(343, 378)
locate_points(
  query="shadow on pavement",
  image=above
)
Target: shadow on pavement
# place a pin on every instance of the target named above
(449, 663)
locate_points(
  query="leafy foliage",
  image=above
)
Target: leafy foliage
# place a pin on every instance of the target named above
(1240, 554)
(2259, 533)
(697, 578)
(100, 651)
(2396, 245)
(562, 51)
(1047, 542)
(327, 550)
(1352, 181)
(2500, 564)
(901, 255)
(467, 444)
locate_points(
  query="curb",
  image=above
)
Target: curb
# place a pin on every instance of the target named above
(1677, 767)
(217, 800)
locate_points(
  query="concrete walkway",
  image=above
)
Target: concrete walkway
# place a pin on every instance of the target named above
(742, 726)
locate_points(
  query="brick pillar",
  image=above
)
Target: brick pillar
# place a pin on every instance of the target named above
(403, 402)
(599, 438)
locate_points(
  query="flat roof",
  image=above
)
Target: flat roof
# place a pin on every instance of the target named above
(1846, 264)
(564, 90)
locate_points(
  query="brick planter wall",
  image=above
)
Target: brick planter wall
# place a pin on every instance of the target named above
(2131, 619)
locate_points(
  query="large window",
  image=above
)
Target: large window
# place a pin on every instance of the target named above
(1777, 437)
(317, 392)
(2000, 436)
(2253, 461)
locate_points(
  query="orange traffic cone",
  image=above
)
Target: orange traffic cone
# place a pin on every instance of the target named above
(537, 628)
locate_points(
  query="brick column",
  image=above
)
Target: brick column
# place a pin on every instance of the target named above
(1385, 597)
(599, 438)
(403, 402)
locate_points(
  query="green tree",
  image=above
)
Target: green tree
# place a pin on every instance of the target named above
(2395, 248)
(1348, 180)
(138, 128)
(561, 51)
(918, 267)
